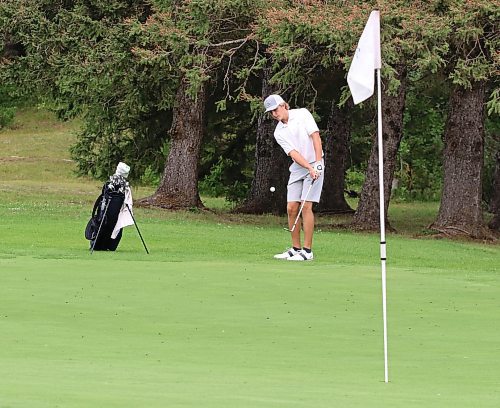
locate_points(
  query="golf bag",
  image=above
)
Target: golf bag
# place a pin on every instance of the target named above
(105, 215)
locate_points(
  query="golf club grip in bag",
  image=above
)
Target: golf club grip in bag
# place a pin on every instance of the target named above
(104, 217)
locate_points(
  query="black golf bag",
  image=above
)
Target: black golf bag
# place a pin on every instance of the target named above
(105, 215)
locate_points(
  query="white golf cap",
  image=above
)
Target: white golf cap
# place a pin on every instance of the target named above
(272, 102)
(122, 170)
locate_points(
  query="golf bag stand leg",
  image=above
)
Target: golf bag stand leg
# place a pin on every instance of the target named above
(100, 226)
(137, 227)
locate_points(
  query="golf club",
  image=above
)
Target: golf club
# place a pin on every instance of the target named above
(301, 207)
(100, 225)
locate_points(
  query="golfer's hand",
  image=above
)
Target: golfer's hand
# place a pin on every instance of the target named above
(313, 173)
(318, 168)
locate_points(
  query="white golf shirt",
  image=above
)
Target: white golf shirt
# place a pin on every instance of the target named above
(296, 134)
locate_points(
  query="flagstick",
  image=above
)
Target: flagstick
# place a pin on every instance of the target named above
(361, 84)
(383, 255)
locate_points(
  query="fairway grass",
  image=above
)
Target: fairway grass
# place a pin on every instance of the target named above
(209, 319)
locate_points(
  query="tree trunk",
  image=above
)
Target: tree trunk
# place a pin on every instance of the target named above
(271, 167)
(367, 215)
(336, 149)
(495, 198)
(178, 187)
(460, 211)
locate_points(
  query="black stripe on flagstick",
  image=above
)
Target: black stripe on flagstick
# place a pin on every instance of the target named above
(383, 259)
(382, 242)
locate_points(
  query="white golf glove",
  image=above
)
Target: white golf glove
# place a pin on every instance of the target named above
(319, 167)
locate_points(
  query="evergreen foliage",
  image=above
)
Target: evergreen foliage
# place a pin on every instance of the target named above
(118, 64)
(7, 110)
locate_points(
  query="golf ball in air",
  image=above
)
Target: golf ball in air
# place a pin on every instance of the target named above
(272, 189)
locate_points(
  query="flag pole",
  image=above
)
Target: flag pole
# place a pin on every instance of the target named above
(383, 254)
(361, 83)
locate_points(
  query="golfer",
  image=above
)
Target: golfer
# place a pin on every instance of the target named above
(298, 134)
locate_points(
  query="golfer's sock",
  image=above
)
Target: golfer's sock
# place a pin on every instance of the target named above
(308, 250)
(296, 249)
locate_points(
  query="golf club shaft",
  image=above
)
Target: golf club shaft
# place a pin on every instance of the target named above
(100, 225)
(302, 206)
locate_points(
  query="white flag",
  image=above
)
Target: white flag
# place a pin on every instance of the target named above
(361, 78)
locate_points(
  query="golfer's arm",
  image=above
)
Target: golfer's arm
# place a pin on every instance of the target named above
(299, 159)
(318, 150)
(318, 147)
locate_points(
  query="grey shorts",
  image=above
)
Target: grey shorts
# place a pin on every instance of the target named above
(299, 183)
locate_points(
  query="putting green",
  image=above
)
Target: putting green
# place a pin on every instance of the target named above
(106, 332)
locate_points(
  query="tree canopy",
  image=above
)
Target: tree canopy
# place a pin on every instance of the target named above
(120, 64)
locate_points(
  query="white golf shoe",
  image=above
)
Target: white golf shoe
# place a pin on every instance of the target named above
(301, 256)
(287, 254)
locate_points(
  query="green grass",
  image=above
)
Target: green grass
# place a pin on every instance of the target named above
(209, 319)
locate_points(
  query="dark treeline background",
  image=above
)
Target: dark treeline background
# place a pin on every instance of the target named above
(175, 89)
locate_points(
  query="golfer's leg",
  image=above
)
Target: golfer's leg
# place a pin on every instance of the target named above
(293, 210)
(308, 224)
